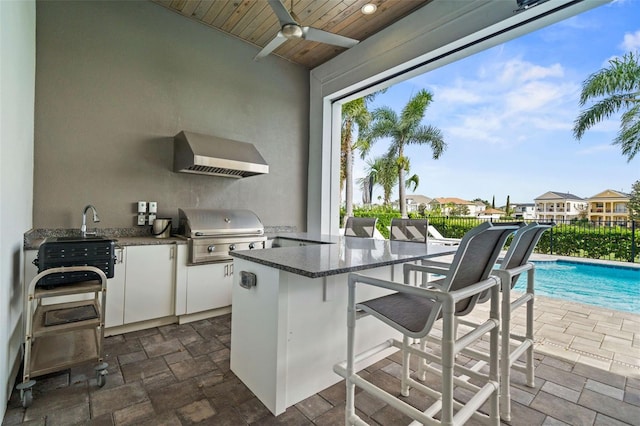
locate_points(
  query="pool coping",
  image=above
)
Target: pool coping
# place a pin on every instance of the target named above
(553, 257)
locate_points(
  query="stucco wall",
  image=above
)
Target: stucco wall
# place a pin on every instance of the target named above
(17, 76)
(115, 81)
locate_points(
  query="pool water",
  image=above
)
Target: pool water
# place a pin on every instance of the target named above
(611, 287)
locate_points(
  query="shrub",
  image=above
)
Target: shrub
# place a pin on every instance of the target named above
(576, 238)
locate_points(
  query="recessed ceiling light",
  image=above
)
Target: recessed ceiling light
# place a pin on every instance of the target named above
(369, 8)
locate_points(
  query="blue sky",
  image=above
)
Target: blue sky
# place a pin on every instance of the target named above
(507, 115)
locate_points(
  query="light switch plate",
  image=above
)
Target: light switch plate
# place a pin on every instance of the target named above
(153, 206)
(142, 207)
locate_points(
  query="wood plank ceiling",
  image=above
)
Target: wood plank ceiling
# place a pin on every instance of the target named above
(254, 21)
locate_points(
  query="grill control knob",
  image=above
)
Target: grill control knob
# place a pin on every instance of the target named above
(232, 247)
(211, 248)
(252, 246)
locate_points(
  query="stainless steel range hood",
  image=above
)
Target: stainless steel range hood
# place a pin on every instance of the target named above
(211, 155)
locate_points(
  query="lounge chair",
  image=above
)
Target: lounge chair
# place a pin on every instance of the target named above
(436, 237)
(363, 227)
(413, 311)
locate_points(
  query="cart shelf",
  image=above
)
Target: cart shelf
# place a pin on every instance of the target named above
(65, 311)
(58, 352)
(61, 335)
(63, 290)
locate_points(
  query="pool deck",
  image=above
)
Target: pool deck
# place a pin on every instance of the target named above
(584, 334)
(587, 373)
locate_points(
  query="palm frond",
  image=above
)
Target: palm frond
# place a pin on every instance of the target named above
(414, 110)
(629, 135)
(602, 109)
(429, 135)
(622, 75)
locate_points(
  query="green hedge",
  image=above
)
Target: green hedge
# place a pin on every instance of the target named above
(384, 217)
(570, 239)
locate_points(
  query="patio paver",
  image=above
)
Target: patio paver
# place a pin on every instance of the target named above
(587, 373)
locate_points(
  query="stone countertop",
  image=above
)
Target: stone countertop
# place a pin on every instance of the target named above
(33, 244)
(347, 254)
(310, 237)
(138, 236)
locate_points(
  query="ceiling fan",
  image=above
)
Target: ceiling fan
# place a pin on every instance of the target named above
(291, 29)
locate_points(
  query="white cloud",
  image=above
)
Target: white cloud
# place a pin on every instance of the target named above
(631, 42)
(596, 149)
(533, 96)
(504, 98)
(458, 95)
(516, 70)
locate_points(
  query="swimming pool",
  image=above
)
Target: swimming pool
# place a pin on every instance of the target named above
(613, 287)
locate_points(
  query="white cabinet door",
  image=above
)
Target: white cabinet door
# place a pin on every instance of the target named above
(181, 279)
(150, 275)
(209, 286)
(114, 310)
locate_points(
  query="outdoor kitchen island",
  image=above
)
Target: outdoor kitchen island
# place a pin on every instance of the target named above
(288, 328)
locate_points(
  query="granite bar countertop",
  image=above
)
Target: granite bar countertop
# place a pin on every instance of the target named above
(138, 236)
(347, 254)
(309, 237)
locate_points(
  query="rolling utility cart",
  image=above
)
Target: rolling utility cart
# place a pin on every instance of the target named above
(61, 335)
(70, 330)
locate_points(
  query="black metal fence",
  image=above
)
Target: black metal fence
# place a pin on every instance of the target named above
(614, 241)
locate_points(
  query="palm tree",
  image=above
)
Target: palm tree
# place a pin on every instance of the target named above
(355, 115)
(618, 86)
(382, 171)
(404, 130)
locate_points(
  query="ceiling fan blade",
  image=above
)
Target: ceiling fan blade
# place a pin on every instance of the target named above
(281, 12)
(314, 34)
(271, 46)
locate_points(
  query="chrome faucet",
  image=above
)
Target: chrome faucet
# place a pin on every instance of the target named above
(83, 229)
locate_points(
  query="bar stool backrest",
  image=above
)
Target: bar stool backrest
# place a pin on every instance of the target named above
(414, 230)
(363, 227)
(474, 260)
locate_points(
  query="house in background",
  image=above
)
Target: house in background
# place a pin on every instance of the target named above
(414, 201)
(609, 207)
(524, 211)
(491, 213)
(452, 206)
(559, 206)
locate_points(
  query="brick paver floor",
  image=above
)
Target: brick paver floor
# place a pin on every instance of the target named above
(588, 373)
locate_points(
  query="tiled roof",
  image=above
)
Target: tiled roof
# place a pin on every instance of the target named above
(453, 200)
(492, 211)
(560, 195)
(616, 194)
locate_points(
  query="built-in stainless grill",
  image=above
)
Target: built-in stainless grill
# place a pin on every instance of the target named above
(213, 233)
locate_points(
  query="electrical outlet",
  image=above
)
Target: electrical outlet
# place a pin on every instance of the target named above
(153, 207)
(141, 219)
(152, 217)
(142, 208)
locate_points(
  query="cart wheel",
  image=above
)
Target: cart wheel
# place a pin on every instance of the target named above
(26, 394)
(27, 398)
